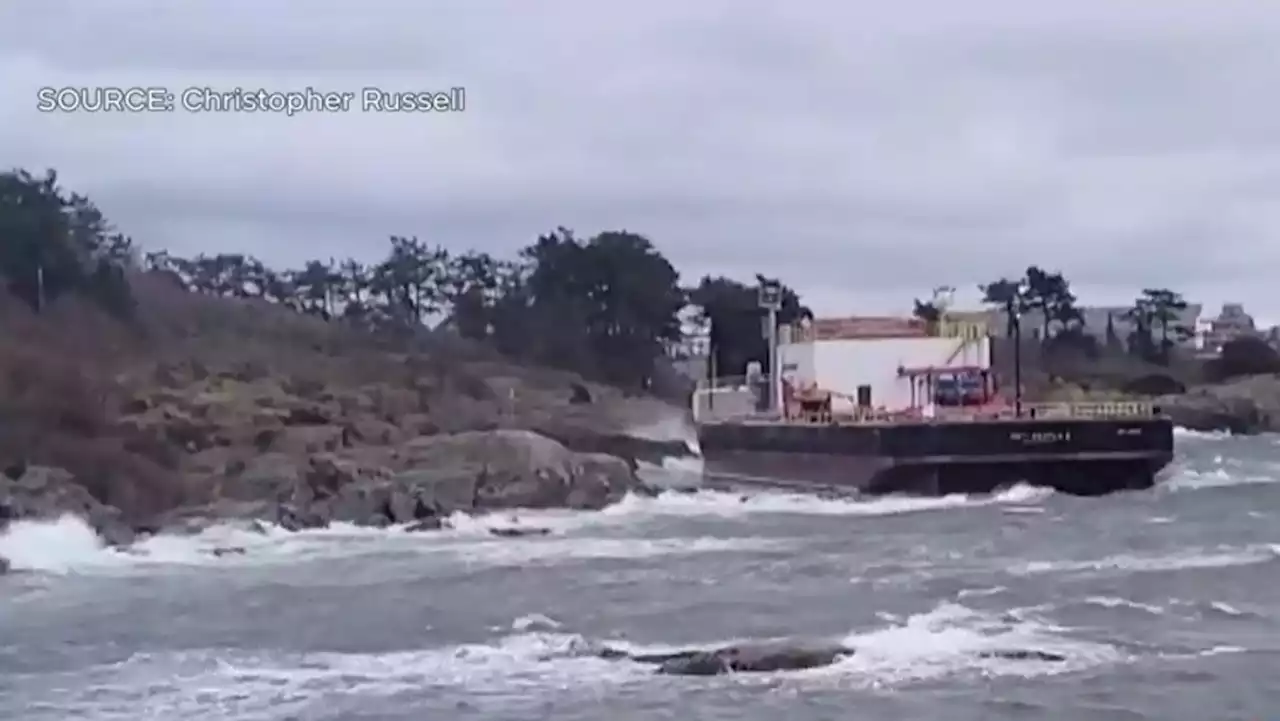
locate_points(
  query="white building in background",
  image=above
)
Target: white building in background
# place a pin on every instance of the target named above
(1272, 336)
(691, 355)
(1232, 322)
(1203, 330)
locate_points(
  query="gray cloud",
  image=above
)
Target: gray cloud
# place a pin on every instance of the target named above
(865, 151)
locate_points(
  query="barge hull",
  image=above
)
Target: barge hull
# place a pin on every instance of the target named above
(1079, 457)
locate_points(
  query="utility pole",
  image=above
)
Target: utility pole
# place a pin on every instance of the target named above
(770, 300)
(1013, 308)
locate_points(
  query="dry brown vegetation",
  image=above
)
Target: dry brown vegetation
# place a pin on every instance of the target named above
(70, 376)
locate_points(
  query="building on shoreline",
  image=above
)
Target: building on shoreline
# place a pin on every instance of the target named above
(691, 355)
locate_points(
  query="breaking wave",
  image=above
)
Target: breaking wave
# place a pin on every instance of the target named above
(68, 545)
(528, 671)
(1181, 433)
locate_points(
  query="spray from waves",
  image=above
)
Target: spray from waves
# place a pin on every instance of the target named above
(524, 671)
(673, 427)
(680, 473)
(56, 546)
(1186, 434)
(948, 639)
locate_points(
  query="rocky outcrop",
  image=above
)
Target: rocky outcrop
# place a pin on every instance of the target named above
(776, 656)
(40, 492)
(1242, 406)
(420, 481)
(384, 439)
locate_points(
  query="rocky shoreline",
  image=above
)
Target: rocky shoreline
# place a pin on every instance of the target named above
(249, 447)
(418, 483)
(241, 443)
(1244, 406)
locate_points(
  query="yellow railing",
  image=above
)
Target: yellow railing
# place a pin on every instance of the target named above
(967, 328)
(1030, 411)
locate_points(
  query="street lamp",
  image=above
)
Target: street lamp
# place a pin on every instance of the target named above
(769, 298)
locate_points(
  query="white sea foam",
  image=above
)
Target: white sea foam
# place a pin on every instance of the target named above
(1223, 473)
(731, 505)
(525, 671)
(676, 427)
(67, 545)
(948, 640)
(1187, 434)
(1116, 602)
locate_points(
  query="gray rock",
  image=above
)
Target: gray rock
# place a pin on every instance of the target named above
(1023, 654)
(778, 656)
(250, 516)
(519, 532)
(427, 524)
(47, 493)
(482, 470)
(744, 658)
(1242, 406)
(420, 482)
(4, 565)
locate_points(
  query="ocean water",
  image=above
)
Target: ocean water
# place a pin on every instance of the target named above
(1165, 603)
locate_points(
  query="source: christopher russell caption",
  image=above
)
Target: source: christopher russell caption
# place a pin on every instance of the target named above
(208, 99)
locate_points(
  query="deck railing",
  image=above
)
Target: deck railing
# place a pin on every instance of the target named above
(738, 399)
(1092, 409)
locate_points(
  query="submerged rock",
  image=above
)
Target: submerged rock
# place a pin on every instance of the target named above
(519, 532)
(779, 656)
(1024, 654)
(744, 658)
(433, 523)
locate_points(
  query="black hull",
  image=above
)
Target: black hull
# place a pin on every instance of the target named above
(1086, 457)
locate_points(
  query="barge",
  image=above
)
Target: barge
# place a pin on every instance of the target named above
(900, 406)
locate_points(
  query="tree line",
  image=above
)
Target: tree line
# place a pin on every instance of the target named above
(1045, 297)
(607, 306)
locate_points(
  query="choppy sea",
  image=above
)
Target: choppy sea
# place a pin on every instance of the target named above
(1166, 605)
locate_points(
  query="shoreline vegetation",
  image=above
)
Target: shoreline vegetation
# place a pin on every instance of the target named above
(145, 391)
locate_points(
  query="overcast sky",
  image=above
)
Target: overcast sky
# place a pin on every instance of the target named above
(864, 151)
